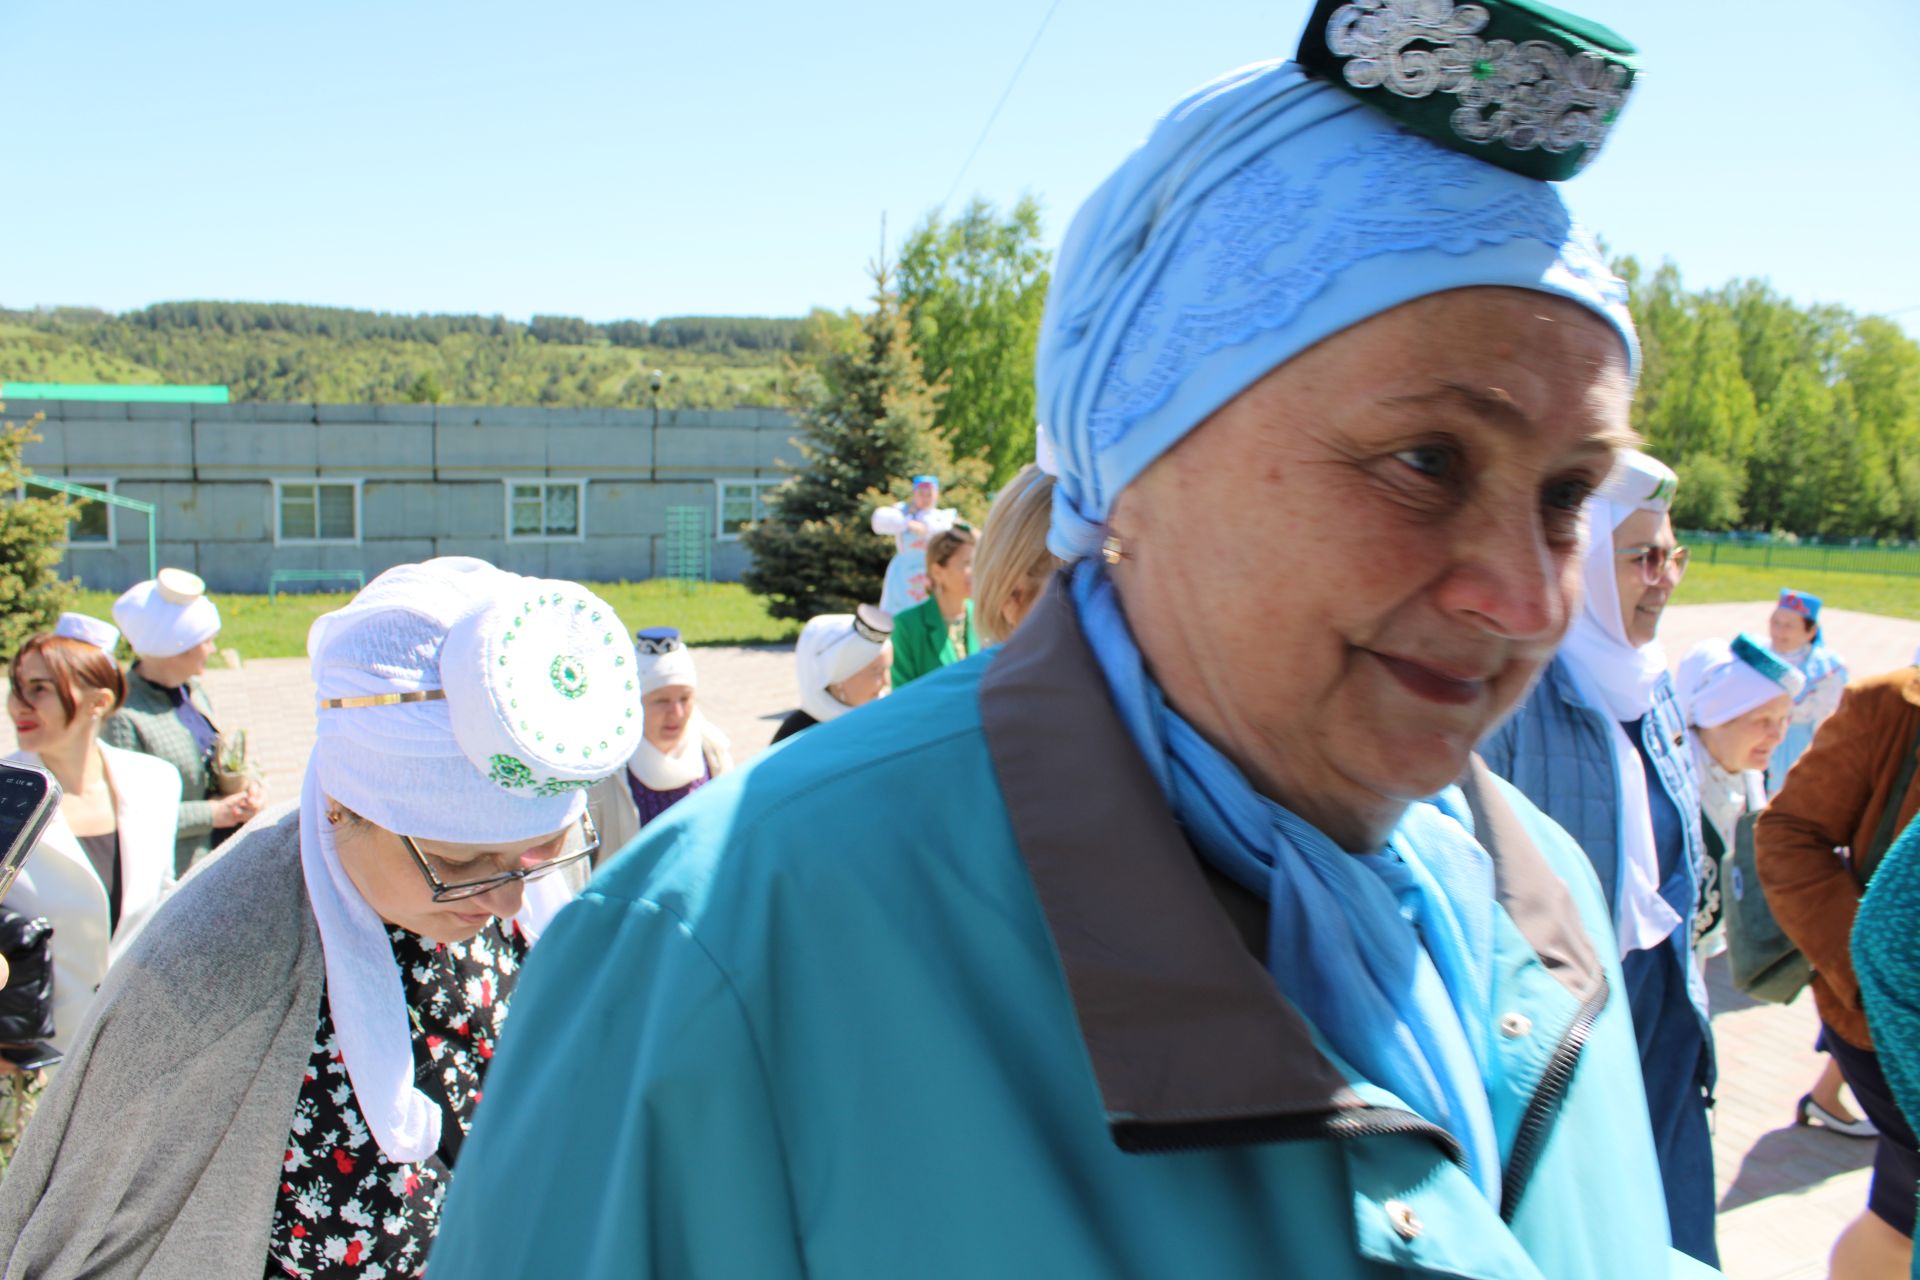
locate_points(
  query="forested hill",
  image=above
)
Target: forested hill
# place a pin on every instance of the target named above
(272, 351)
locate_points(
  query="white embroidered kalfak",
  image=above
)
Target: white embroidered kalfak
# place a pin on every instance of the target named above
(520, 694)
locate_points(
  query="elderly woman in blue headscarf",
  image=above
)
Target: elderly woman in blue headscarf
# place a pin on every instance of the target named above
(1194, 962)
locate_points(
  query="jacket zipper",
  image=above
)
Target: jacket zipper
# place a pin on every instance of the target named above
(1158, 1136)
(1544, 1106)
(1150, 1137)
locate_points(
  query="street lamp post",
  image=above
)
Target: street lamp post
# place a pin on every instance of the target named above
(654, 382)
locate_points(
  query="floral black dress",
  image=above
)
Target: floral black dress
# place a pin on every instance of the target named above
(344, 1208)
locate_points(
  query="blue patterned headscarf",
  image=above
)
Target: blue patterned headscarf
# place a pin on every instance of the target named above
(1266, 212)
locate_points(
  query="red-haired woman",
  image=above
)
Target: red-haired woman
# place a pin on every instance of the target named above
(105, 861)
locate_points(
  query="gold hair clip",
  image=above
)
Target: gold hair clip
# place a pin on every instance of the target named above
(382, 699)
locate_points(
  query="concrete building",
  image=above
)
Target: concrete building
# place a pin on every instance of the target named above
(244, 489)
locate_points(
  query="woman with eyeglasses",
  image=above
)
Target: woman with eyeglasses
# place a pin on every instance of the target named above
(278, 1076)
(1601, 744)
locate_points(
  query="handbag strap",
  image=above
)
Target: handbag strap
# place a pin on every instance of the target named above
(1890, 815)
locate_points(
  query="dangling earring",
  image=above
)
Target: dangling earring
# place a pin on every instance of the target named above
(1113, 551)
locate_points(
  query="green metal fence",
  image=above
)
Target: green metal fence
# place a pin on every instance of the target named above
(1811, 554)
(688, 555)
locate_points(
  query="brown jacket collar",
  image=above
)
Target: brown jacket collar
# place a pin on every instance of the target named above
(1181, 1020)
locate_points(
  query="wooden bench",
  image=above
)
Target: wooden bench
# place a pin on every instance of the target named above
(281, 577)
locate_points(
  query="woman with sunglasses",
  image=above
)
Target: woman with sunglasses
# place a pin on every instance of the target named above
(278, 1076)
(1601, 744)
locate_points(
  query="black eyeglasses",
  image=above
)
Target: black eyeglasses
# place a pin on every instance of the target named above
(589, 842)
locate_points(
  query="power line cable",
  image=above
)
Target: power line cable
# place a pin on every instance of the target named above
(995, 115)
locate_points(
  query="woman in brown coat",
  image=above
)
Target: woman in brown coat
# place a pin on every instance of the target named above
(1851, 792)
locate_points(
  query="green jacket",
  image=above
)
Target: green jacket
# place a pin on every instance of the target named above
(146, 723)
(922, 644)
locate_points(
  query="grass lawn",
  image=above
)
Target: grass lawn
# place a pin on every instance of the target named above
(709, 613)
(1886, 594)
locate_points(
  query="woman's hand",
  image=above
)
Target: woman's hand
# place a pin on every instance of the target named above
(240, 807)
(916, 527)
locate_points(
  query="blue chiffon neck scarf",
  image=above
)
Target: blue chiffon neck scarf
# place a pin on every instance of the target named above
(1387, 954)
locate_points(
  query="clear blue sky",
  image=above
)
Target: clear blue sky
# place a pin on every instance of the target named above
(604, 159)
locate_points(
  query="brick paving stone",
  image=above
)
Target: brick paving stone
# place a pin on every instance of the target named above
(1785, 1192)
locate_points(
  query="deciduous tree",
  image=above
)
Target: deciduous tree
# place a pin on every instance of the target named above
(974, 289)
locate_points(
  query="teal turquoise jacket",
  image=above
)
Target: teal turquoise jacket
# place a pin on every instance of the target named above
(921, 642)
(1886, 959)
(979, 1010)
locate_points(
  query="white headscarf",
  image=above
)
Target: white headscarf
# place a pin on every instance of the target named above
(1722, 680)
(1621, 673)
(660, 770)
(167, 615)
(518, 694)
(832, 647)
(1618, 679)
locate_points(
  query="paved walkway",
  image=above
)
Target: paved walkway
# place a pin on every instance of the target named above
(1867, 642)
(1785, 1192)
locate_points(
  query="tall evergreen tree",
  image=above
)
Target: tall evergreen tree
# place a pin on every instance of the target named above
(32, 528)
(866, 427)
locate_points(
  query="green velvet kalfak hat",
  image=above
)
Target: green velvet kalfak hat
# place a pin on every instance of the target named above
(1515, 83)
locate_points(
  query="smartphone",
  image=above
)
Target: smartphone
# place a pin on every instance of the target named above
(29, 798)
(37, 1056)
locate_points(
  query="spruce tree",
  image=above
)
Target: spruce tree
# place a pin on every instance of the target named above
(866, 420)
(32, 528)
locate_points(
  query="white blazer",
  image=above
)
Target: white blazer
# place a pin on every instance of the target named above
(59, 881)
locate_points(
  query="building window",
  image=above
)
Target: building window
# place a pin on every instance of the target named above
(546, 509)
(92, 523)
(317, 511)
(740, 503)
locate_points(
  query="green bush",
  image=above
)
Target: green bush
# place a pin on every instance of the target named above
(32, 528)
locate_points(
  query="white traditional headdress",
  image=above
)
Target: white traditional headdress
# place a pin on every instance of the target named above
(1722, 680)
(78, 626)
(832, 647)
(462, 703)
(167, 615)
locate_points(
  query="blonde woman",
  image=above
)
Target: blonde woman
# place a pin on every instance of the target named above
(1012, 566)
